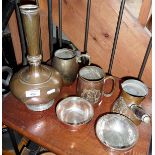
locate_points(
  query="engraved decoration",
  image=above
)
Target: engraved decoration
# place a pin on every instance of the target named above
(120, 106)
(91, 95)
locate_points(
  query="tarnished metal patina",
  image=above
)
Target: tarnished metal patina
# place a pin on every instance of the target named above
(36, 85)
(128, 103)
(67, 61)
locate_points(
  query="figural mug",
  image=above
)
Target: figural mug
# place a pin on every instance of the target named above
(90, 84)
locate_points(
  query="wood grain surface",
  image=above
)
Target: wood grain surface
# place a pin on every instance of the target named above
(132, 41)
(45, 129)
(13, 27)
(145, 11)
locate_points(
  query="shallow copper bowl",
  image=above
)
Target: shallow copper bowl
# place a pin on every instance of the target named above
(74, 111)
(116, 132)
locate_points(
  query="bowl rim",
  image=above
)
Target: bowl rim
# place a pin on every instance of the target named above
(74, 98)
(111, 147)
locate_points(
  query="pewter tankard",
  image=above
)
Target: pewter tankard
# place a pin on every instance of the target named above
(66, 61)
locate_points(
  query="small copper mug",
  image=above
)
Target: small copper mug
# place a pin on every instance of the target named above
(90, 84)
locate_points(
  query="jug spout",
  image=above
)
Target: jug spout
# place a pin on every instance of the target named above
(133, 91)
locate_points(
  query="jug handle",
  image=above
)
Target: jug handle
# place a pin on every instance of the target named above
(79, 60)
(113, 86)
(140, 113)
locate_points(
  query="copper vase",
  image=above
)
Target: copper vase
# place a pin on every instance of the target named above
(36, 85)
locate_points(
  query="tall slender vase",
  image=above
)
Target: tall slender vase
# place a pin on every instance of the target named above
(36, 85)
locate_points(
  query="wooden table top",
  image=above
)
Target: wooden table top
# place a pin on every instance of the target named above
(45, 129)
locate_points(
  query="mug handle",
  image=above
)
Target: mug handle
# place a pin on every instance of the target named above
(113, 88)
(86, 56)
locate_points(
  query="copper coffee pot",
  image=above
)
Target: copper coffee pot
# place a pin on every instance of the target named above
(36, 85)
(128, 103)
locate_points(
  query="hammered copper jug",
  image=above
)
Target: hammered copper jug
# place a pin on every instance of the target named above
(36, 85)
(128, 103)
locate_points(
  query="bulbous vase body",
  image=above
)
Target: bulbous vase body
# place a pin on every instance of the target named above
(36, 89)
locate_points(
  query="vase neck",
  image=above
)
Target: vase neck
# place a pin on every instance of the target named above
(31, 22)
(35, 62)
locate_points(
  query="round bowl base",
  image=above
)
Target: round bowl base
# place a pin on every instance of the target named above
(40, 107)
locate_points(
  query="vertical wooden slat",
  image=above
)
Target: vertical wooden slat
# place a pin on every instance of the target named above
(15, 37)
(144, 12)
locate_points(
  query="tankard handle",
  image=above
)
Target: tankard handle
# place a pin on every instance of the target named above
(82, 58)
(113, 86)
(140, 113)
